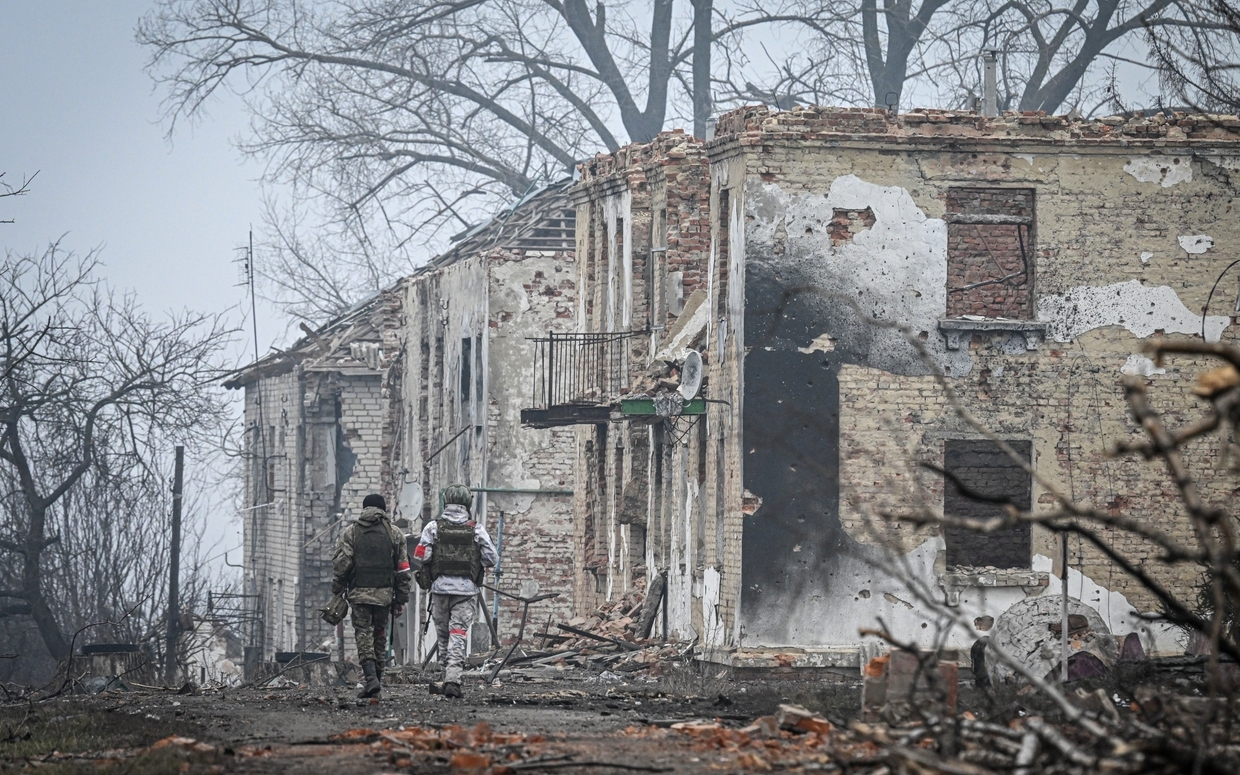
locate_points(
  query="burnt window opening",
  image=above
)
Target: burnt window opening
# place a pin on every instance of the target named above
(617, 478)
(720, 501)
(467, 378)
(846, 224)
(657, 483)
(424, 376)
(479, 373)
(987, 474)
(437, 386)
(594, 538)
(721, 287)
(617, 278)
(655, 268)
(990, 252)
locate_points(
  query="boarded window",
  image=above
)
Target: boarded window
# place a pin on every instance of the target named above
(990, 256)
(986, 471)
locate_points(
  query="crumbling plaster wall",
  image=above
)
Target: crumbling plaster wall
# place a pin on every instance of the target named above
(661, 191)
(440, 308)
(444, 307)
(887, 409)
(531, 293)
(272, 521)
(681, 508)
(613, 228)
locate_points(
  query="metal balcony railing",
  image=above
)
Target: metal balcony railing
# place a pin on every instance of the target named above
(581, 369)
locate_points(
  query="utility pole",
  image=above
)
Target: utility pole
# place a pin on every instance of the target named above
(174, 575)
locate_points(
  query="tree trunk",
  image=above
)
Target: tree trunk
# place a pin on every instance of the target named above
(53, 638)
(32, 588)
(702, 11)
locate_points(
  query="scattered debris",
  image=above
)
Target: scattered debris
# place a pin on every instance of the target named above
(901, 684)
(607, 640)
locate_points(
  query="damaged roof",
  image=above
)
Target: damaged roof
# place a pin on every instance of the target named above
(541, 220)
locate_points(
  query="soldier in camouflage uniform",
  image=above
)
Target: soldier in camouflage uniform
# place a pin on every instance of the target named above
(372, 562)
(457, 549)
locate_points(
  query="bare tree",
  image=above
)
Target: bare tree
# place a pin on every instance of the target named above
(1200, 71)
(93, 390)
(8, 189)
(1053, 53)
(396, 121)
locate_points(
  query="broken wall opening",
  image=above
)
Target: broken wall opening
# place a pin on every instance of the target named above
(990, 477)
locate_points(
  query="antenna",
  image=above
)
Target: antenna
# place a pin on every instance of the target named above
(691, 376)
(249, 265)
(246, 270)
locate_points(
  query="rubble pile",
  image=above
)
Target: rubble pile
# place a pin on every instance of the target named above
(608, 639)
(1151, 739)
(464, 750)
(615, 619)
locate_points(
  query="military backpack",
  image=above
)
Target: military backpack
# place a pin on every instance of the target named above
(374, 557)
(456, 552)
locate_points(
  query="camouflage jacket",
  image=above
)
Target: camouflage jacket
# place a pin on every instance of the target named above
(342, 564)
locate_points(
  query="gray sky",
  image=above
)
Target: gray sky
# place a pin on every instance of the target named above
(78, 109)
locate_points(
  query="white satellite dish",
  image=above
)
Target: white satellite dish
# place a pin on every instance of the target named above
(691, 376)
(409, 502)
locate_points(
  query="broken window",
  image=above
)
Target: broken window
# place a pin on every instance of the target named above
(990, 256)
(990, 480)
(466, 369)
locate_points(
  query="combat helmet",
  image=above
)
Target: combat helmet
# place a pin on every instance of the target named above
(458, 494)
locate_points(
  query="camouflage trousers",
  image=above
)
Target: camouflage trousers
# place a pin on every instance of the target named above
(370, 631)
(453, 614)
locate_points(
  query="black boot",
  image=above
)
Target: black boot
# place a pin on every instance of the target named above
(379, 669)
(452, 689)
(372, 687)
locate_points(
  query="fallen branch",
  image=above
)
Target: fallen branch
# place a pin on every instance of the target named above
(1056, 738)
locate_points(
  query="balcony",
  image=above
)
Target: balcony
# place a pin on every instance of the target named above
(578, 378)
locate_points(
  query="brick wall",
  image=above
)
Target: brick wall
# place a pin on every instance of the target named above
(630, 507)
(1101, 223)
(990, 266)
(538, 529)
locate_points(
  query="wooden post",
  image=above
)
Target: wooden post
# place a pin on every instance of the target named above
(170, 657)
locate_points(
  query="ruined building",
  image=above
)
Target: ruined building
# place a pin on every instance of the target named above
(826, 264)
(718, 367)
(416, 388)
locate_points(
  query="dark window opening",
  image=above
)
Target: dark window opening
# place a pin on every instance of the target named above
(990, 252)
(986, 471)
(467, 378)
(720, 501)
(721, 288)
(656, 510)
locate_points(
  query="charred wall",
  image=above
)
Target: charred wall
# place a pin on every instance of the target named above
(862, 235)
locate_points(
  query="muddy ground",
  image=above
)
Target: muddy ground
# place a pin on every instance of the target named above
(543, 722)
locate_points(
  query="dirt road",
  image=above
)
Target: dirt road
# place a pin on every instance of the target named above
(574, 724)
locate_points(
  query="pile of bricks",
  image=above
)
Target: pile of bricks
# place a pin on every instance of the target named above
(614, 620)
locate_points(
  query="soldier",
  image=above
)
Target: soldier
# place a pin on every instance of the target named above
(457, 549)
(372, 561)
